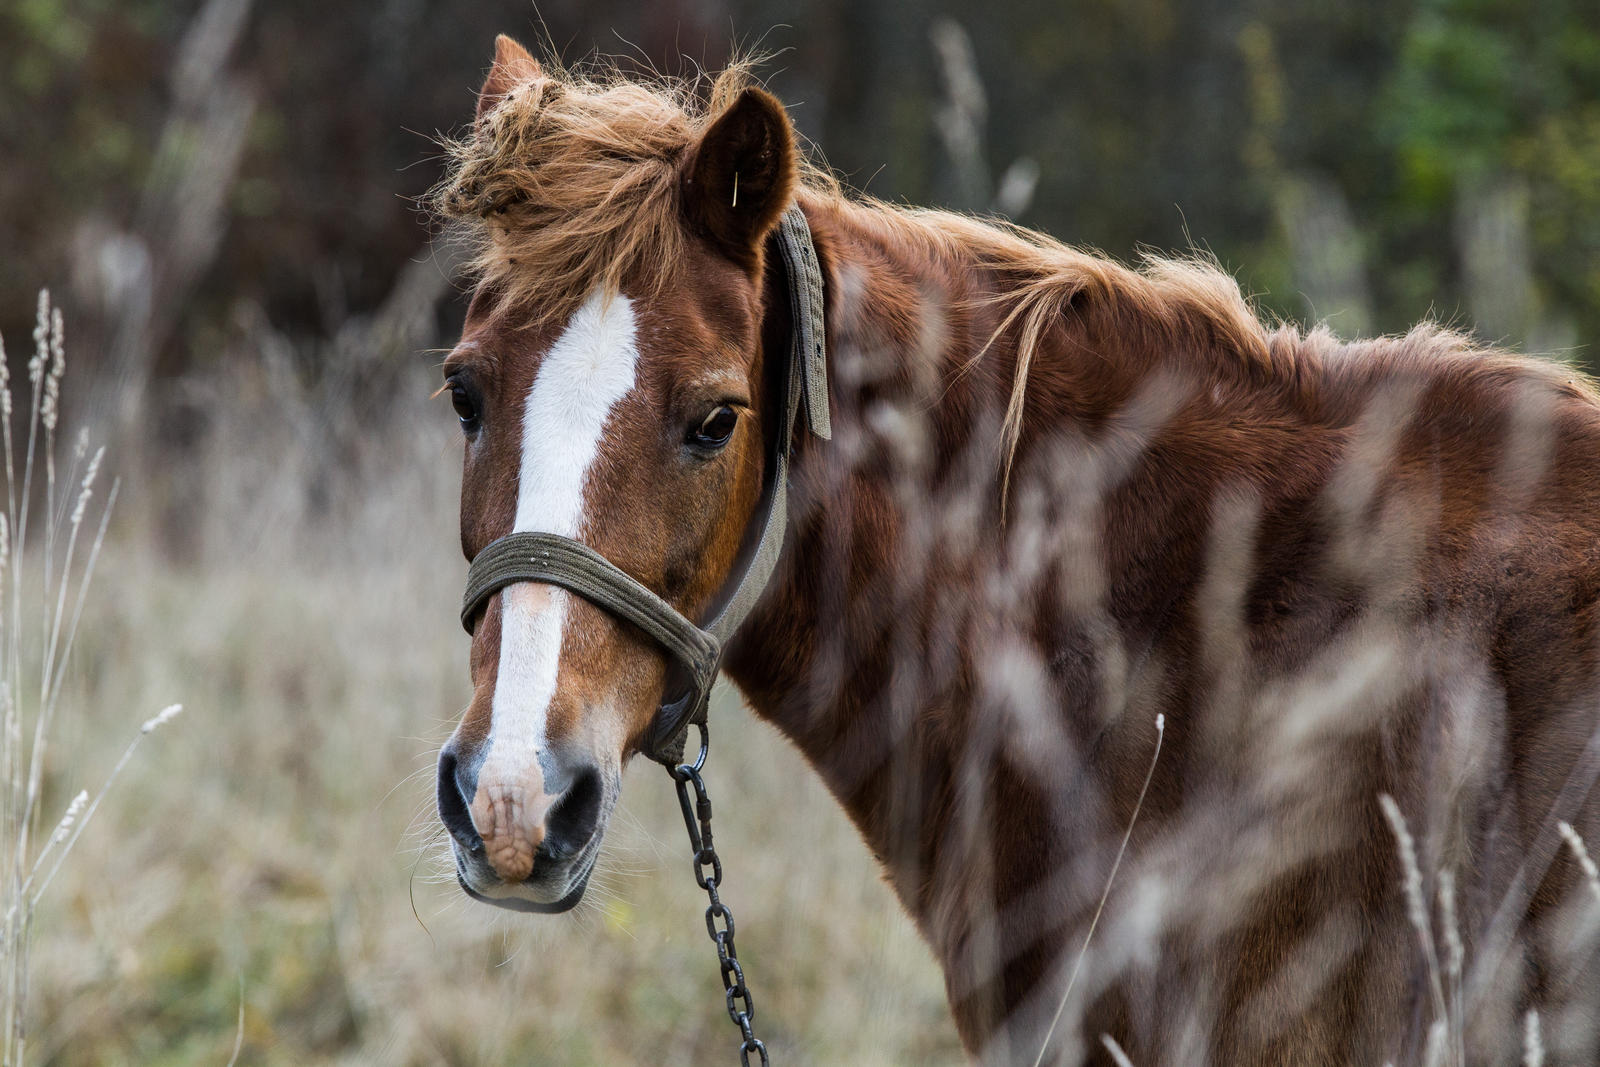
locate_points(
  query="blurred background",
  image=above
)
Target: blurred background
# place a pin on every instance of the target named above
(221, 196)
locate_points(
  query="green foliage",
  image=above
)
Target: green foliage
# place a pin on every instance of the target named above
(1495, 90)
(1562, 159)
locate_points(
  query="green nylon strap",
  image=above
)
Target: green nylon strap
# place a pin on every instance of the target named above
(527, 556)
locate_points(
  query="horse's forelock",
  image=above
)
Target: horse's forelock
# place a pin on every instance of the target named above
(570, 183)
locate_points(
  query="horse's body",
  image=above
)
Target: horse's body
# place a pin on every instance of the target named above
(1063, 499)
(1336, 570)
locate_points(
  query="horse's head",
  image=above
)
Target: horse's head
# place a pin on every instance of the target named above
(609, 387)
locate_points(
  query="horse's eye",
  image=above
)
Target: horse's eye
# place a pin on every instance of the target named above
(466, 408)
(714, 432)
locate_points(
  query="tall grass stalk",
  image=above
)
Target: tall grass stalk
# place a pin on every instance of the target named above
(1416, 903)
(31, 677)
(1116, 864)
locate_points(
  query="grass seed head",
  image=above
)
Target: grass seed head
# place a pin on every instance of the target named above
(1586, 863)
(74, 809)
(1115, 1051)
(87, 489)
(166, 715)
(1455, 951)
(50, 407)
(1411, 882)
(41, 338)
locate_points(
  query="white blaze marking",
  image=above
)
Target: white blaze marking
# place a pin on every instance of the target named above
(588, 369)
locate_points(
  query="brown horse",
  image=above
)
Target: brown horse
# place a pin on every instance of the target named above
(1208, 692)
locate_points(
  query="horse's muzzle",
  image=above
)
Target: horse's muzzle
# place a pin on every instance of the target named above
(557, 842)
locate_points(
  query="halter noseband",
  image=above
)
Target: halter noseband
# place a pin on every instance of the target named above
(572, 565)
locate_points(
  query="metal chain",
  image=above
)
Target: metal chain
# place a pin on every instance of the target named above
(719, 920)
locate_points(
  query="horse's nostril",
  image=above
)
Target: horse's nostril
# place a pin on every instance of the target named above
(572, 822)
(453, 805)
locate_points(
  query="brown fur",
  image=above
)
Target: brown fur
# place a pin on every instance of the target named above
(1336, 570)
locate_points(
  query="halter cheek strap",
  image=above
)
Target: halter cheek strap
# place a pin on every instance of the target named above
(572, 565)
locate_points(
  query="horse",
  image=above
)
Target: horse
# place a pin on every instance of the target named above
(1208, 690)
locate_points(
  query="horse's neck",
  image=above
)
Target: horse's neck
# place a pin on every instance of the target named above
(860, 652)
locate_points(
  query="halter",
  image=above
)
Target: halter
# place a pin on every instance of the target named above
(572, 565)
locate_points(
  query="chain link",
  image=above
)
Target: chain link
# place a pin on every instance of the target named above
(719, 920)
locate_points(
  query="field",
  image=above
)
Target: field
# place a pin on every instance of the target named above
(229, 199)
(276, 844)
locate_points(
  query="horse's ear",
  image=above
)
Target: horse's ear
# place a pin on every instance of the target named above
(512, 66)
(740, 174)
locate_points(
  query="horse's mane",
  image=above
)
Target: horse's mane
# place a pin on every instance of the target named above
(1188, 305)
(570, 181)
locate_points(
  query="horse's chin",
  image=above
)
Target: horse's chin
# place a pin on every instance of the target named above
(522, 896)
(566, 903)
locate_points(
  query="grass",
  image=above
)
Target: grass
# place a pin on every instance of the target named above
(294, 576)
(268, 885)
(43, 599)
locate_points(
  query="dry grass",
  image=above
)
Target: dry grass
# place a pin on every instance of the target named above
(270, 878)
(45, 590)
(266, 846)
